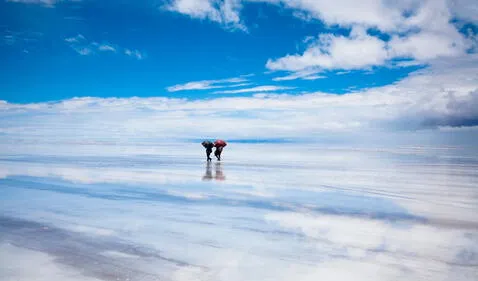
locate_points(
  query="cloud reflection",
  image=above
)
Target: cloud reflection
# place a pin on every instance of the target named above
(344, 216)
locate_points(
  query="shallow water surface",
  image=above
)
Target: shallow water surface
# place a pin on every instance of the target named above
(267, 212)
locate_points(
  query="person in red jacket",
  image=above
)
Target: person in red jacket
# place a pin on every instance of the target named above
(219, 145)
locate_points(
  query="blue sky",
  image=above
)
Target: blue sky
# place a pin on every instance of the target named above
(39, 65)
(243, 69)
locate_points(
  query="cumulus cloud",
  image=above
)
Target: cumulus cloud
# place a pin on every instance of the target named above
(387, 16)
(224, 12)
(418, 46)
(84, 47)
(464, 9)
(419, 30)
(459, 110)
(356, 51)
(442, 95)
(361, 50)
(210, 84)
(346, 12)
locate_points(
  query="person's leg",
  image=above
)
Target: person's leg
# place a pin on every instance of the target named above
(208, 154)
(217, 153)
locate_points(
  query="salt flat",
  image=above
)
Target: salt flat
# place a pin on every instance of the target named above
(267, 212)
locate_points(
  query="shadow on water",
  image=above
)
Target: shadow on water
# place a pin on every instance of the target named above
(218, 172)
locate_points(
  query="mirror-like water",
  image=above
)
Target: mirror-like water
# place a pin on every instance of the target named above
(267, 212)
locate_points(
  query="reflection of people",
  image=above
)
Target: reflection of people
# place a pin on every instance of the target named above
(208, 175)
(219, 144)
(219, 174)
(208, 145)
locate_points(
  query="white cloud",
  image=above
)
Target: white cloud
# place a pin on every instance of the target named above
(387, 16)
(426, 33)
(45, 3)
(198, 85)
(210, 84)
(84, 47)
(361, 50)
(304, 75)
(357, 51)
(135, 54)
(258, 89)
(419, 46)
(419, 30)
(21, 40)
(224, 12)
(107, 48)
(84, 51)
(431, 98)
(313, 77)
(75, 39)
(9, 39)
(464, 9)
(371, 13)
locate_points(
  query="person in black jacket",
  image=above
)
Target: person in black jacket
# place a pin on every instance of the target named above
(208, 146)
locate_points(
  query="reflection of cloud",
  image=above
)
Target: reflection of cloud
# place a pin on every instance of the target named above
(238, 230)
(24, 265)
(116, 254)
(382, 251)
(77, 255)
(253, 172)
(227, 236)
(96, 231)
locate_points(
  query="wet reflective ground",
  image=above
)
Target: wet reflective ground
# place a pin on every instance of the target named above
(267, 212)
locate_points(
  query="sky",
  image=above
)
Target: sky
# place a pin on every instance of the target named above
(237, 68)
(104, 104)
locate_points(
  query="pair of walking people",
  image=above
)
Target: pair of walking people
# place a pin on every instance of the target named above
(218, 144)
